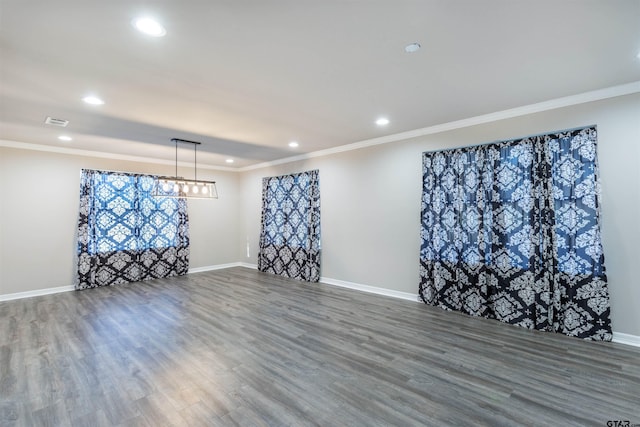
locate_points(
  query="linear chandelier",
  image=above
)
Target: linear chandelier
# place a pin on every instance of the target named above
(177, 186)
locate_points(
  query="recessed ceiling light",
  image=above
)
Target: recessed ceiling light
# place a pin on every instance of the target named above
(149, 27)
(229, 160)
(293, 144)
(382, 121)
(64, 138)
(93, 100)
(412, 47)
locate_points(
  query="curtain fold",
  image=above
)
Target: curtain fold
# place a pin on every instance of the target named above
(290, 231)
(127, 235)
(510, 231)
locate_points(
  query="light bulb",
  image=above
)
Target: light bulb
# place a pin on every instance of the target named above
(185, 188)
(195, 189)
(176, 188)
(150, 27)
(411, 48)
(205, 189)
(93, 100)
(165, 186)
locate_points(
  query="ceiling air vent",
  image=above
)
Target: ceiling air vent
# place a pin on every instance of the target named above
(56, 122)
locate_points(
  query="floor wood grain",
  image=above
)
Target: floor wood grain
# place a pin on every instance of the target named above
(236, 347)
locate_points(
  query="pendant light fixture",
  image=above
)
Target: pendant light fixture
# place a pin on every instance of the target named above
(177, 186)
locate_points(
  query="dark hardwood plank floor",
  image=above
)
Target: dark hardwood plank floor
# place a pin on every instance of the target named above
(237, 347)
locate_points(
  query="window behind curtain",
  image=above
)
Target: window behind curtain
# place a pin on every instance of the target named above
(510, 230)
(290, 233)
(125, 234)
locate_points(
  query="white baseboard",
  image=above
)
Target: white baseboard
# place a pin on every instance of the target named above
(221, 267)
(370, 289)
(620, 338)
(213, 267)
(49, 291)
(36, 293)
(350, 285)
(247, 265)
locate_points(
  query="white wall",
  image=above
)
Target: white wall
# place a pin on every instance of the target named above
(370, 206)
(39, 212)
(371, 200)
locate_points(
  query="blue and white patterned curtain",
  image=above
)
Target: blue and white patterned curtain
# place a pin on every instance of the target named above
(510, 231)
(127, 235)
(290, 236)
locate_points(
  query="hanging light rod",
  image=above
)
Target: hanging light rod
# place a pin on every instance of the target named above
(186, 141)
(177, 186)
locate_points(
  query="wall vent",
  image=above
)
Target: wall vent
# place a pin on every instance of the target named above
(56, 122)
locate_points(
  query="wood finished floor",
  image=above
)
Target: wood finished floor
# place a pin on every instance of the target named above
(238, 347)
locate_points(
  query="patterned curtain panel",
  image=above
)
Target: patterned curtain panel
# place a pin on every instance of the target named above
(290, 236)
(510, 231)
(127, 235)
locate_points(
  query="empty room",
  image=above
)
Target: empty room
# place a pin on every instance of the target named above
(335, 213)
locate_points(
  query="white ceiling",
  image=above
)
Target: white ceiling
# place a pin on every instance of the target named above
(246, 77)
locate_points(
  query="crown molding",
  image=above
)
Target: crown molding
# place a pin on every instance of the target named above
(104, 155)
(567, 101)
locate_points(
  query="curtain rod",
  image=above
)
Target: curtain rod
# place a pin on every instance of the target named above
(119, 172)
(499, 141)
